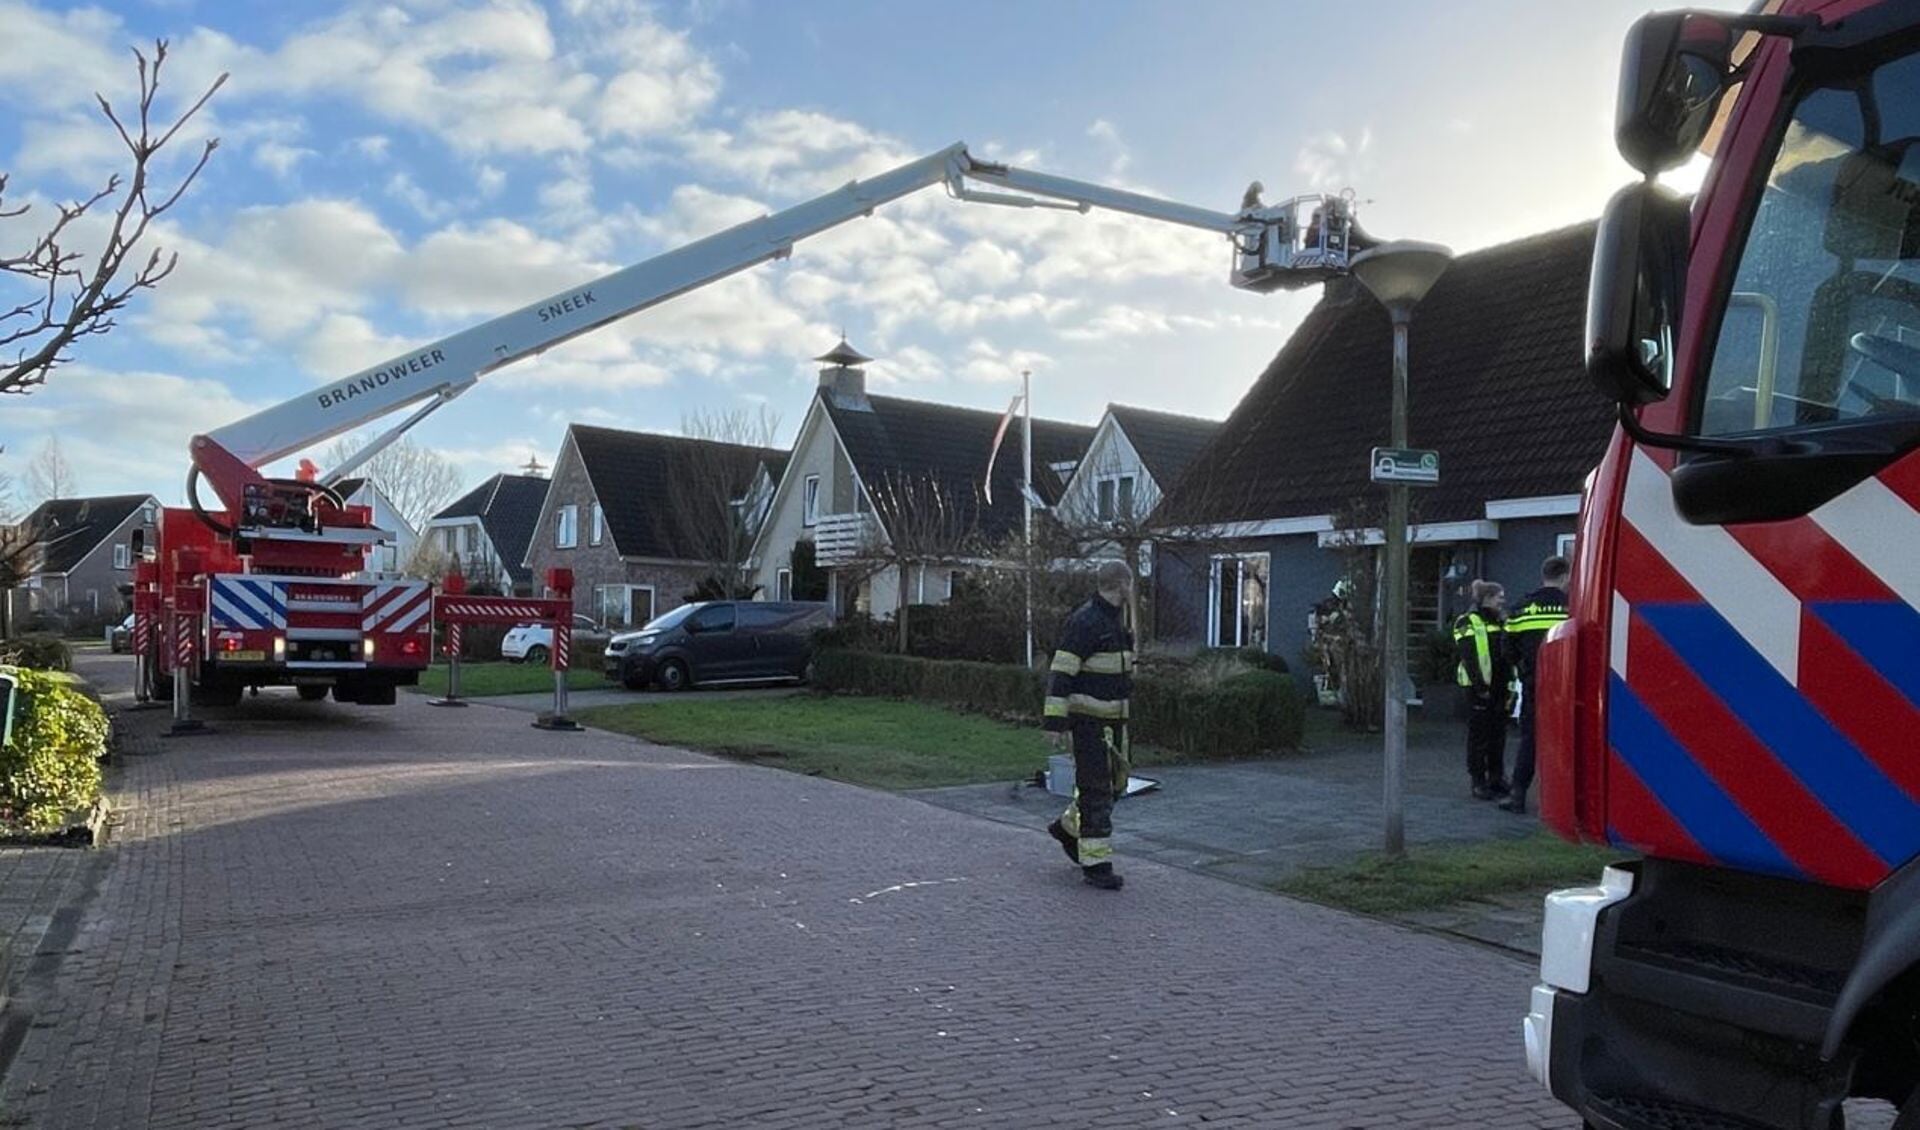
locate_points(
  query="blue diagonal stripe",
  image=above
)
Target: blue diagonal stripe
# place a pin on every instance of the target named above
(1832, 768)
(229, 614)
(1884, 633)
(1694, 800)
(270, 596)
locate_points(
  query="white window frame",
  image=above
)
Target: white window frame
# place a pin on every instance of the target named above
(783, 584)
(1563, 546)
(1213, 598)
(122, 556)
(1107, 505)
(601, 592)
(810, 501)
(566, 527)
(598, 533)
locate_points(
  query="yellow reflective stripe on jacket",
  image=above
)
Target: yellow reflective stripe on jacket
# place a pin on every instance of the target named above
(1106, 663)
(1481, 631)
(1066, 663)
(1104, 708)
(1535, 622)
(1056, 706)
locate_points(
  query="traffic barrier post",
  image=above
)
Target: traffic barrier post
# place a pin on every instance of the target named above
(186, 625)
(452, 697)
(560, 590)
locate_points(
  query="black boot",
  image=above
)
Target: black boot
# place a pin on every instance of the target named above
(1102, 875)
(1515, 803)
(1481, 791)
(1500, 790)
(1068, 842)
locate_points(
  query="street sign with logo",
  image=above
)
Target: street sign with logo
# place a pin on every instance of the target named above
(1406, 465)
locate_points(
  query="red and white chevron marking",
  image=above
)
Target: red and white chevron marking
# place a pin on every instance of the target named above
(185, 631)
(142, 634)
(562, 645)
(453, 639)
(493, 609)
(395, 606)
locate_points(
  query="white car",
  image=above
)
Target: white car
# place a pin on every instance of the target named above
(532, 643)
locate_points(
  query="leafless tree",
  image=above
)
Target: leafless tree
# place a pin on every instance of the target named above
(1130, 524)
(418, 480)
(709, 513)
(919, 521)
(67, 295)
(49, 475)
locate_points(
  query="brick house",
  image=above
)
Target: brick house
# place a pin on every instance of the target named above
(85, 552)
(1498, 389)
(485, 533)
(643, 519)
(851, 441)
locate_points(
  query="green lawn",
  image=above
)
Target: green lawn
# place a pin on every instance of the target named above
(1433, 877)
(477, 680)
(868, 741)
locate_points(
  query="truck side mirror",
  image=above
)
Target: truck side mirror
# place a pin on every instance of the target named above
(1672, 75)
(1635, 293)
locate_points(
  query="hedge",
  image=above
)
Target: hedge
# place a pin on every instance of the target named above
(1250, 712)
(51, 767)
(40, 652)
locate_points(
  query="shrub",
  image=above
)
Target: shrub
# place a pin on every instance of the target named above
(51, 768)
(1257, 658)
(39, 652)
(1221, 709)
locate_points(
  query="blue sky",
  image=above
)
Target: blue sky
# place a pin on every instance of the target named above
(390, 172)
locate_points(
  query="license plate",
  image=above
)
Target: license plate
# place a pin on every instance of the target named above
(242, 656)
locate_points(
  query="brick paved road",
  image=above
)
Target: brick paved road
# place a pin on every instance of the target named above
(328, 916)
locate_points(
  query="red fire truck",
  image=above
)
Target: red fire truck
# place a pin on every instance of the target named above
(1736, 697)
(266, 585)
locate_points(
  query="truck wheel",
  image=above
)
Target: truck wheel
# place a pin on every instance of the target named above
(673, 676)
(312, 694)
(536, 655)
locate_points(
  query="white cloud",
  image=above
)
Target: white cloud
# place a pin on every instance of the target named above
(490, 180)
(280, 158)
(1104, 131)
(402, 187)
(83, 149)
(987, 363)
(56, 61)
(127, 430)
(374, 147)
(347, 343)
(279, 268)
(468, 271)
(1332, 161)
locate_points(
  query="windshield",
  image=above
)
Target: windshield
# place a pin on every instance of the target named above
(1823, 324)
(671, 619)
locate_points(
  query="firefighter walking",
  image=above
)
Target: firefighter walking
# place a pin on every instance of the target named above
(1539, 611)
(1088, 689)
(1486, 672)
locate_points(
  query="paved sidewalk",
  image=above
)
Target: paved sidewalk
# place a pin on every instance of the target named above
(325, 916)
(1256, 822)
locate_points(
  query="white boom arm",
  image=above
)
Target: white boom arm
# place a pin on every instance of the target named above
(1268, 245)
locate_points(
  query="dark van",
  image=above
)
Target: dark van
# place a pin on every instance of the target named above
(720, 641)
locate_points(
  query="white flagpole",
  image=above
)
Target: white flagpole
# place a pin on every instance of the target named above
(1026, 493)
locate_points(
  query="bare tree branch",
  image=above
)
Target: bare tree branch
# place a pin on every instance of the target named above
(714, 516)
(79, 302)
(919, 521)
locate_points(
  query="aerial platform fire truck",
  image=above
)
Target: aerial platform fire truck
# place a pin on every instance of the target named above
(1736, 696)
(267, 586)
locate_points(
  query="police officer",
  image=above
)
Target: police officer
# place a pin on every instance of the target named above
(1479, 640)
(1539, 611)
(1087, 691)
